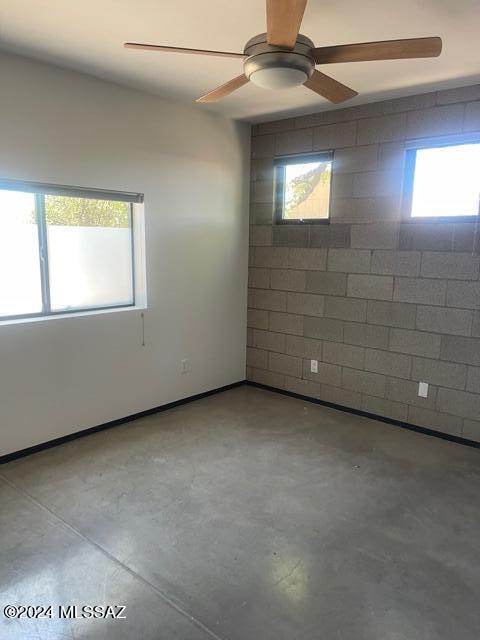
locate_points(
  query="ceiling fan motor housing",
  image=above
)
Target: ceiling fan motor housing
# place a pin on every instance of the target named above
(274, 67)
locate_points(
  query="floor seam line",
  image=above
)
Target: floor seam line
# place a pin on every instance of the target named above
(180, 610)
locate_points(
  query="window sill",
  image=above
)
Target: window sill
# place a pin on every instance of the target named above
(73, 314)
(439, 219)
(307, 221)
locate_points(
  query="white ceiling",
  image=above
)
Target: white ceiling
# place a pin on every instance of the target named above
(87, 35)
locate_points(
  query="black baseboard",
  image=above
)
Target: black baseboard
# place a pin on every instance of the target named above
(373, 416)
(114, 423)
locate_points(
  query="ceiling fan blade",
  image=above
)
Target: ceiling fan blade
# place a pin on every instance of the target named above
(284, 18)
(198, 52)
(329, 88)
(224, 90)
(383, 50)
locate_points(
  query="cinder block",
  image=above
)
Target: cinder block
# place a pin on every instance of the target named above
(365, 335)
(327, 373)
(344, 355)
(342, 185)
(302, 387)
(388, 363)
(310, 259)
(464, 240)
(471, 430)
(345, 309)
(364, 382)
(373, 287)
(303, 347)
(251, 256)
(440, 320)
(286, 323)
(289, 365)
(262, 192)
(258, 278)
(268, 300)
(421, 291)
(374, 236)
(382, 129)
(307, 304)
(273, 257)
(260, 235)
(435, 121)
(391, 314)
(417, 343)
(396, 263)
(349, 260)
(268, 340)
(406, 391)
(377, 184)
(365, 210)
(257, 319)
(472, 117)
(385, 408)
(271, 379)
(440, 373)
(331, 235)
(435, 420)
(294, 141)
(277, 126)
(459, 349)
(340, 396)
(334, 136)
(476, 324)
(327, 283)
(350, 160)
(465, 295)
(391, 156)
(263, 146)
(410, 103)
(459, 403)
(257, 358)
(473, 380)
(250, 337)
(290, 235)
(453, 266)
(261, 213)
(262, 169)
(323, 328)
(460, 94)
(287, 280)
(426, 236)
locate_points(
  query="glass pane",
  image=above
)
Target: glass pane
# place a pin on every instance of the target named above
(307, 191)
(20, 281)
(447, 181)
(89, 252)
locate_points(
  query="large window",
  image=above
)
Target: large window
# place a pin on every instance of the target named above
(302, 188)
(443, 181)
(64, 250)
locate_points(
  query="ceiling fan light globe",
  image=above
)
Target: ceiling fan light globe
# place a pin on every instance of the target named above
(278, 78)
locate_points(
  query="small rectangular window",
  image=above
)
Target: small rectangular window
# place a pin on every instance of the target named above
(302, 188)
(64, 249)
(443, 181)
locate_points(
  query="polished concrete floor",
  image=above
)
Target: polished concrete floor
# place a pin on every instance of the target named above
(246, 515)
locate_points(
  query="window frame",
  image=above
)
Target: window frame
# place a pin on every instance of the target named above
(409, 179)
(40, 191)
(280, 162)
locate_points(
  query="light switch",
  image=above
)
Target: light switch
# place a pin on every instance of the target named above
(423, 389)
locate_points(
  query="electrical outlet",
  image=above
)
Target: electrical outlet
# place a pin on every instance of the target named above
(423, 389)
(184, 366)
(314, 366)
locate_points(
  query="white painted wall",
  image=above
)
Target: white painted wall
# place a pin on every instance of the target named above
(58, 376)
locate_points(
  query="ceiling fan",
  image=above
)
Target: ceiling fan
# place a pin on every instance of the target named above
(283, 58)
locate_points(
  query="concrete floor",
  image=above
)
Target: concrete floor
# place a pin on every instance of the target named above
(247, 515)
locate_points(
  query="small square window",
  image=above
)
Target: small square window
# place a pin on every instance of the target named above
(443, 181)
(302, 188)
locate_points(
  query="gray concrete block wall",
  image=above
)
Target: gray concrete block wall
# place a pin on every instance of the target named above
(381, 304)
